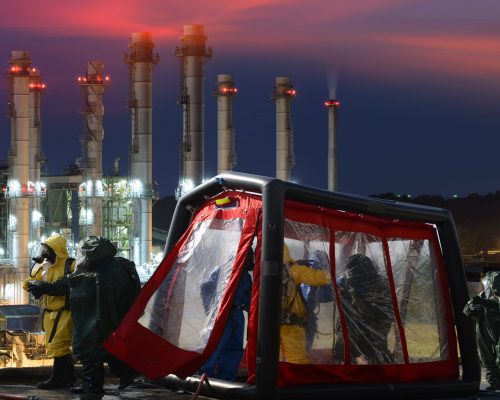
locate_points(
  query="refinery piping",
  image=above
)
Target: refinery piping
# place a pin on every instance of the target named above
(84, 201)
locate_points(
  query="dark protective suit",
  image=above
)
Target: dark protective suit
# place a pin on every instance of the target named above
(367, 304)
(103, 288)
(484, 308)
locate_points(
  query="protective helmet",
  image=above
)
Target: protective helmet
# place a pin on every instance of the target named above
(94, 249)
(361, 274)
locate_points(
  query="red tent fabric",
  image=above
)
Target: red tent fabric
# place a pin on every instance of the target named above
(168, 331)
(157, 352)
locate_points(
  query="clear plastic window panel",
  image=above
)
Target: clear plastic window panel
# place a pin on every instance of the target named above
(184, 308)
(420, 299)
(309, 308)
(366, 300)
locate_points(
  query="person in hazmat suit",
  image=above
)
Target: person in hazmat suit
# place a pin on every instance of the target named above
(315, 295)
(293, 307)
(367, 303)
(103, 288)
(225, 360)
(47, 283)
(484, 308)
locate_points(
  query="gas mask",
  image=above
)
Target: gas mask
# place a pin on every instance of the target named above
(45, 259)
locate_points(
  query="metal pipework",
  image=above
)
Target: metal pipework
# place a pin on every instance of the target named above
(224, 92)
(192, 55)
(283, 94)
(332, 106)
(141, 63)
(36, 89)
(18, 238)
(93, 84)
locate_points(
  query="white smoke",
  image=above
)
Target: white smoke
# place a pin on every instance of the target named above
(332, 80)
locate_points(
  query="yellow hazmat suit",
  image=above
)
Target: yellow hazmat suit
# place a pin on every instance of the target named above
(60, 344)
(292, 333)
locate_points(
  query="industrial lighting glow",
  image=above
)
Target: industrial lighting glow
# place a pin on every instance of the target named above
(12, 223)
(14, 188)
(40, 187)
(36, 216)
(136, 188)
(184, 187)
(89, 216)
(2, 251)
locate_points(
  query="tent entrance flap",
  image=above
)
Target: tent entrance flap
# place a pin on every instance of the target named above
(180, 315)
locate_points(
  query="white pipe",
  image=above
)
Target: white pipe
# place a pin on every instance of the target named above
(225, 91)
(18, 75)
(283, 94)
(332, 144)
(36, 88)
(193, 56)
(141, 62)
(93, 84)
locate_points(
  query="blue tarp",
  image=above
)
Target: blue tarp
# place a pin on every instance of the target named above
(21, 317)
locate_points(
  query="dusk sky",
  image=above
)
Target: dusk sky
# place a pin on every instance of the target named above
(418, 82)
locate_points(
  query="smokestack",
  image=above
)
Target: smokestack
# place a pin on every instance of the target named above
(36, 89)
(226, 155)
(283, 94)
(17, 185)
(332, 106)
(141, 62)
(93, 84)
(192, 55)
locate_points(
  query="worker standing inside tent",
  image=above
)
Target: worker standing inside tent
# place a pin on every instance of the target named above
(367, 303)
(103, 288)
(293, 307)
(47, 282)
(484, 308)
(225, 360)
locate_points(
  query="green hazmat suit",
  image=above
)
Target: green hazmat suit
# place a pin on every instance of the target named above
(103, 288)
(485, 310)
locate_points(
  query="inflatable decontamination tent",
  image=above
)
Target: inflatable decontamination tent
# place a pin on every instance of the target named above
(384, 318)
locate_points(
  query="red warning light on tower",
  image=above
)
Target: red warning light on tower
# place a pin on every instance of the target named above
(291, 92)
(332, 103)
(228, 91)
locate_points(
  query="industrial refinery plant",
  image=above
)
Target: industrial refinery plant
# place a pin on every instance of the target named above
(83, 200)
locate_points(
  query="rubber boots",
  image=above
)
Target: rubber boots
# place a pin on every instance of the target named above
(62, 375)
(92, 380)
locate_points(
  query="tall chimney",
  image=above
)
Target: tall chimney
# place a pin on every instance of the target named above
(283, 94)
(192, 55)
(36, 89)
(226, 155)
(17, 185)
(93, 84)
(141, 62)
(332, 106)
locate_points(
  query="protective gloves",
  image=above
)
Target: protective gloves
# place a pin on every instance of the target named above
(39, 288)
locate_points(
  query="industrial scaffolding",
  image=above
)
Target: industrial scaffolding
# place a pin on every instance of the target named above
(117, 214)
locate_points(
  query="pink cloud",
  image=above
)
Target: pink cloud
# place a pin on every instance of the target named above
(165, 18)
(457, 55)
